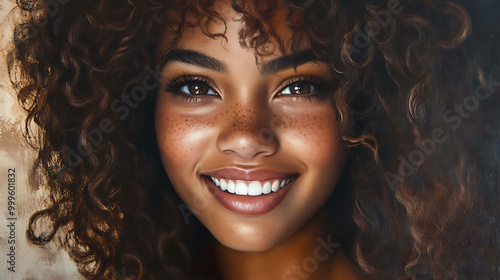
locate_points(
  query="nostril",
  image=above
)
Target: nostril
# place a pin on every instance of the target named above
(247, 144)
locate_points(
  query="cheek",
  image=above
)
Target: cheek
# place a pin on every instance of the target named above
(180, 138)
(183, 139)
(313, 137)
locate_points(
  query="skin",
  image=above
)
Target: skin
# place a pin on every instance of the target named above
(250, 123)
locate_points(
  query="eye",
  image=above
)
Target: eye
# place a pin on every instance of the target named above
(306, 88)
(299, 87)
(195, 87)
(191, 88)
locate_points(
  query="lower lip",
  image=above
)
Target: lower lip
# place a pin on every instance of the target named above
(248, 205)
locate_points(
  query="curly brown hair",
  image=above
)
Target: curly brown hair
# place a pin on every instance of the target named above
(425, 193)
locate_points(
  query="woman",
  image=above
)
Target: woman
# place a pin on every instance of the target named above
(312, 139)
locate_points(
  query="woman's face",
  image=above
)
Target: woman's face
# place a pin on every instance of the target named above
(252, 148)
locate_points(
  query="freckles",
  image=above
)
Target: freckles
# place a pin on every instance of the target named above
(180, 135)
(241, 117)
(309, 125)
(276, 122)
(172, 127)
(175, 134)
(312, 133)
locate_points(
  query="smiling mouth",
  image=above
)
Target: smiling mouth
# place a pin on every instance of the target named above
(249, 191)
(251, 188)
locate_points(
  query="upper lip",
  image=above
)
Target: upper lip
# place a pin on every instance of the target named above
(256, 174)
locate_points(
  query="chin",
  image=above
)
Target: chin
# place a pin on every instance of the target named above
(249, 242)
(245, 246)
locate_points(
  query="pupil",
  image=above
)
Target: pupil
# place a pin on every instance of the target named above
(299, 88)
(197, 88)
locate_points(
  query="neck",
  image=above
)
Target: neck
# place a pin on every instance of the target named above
(311, 253)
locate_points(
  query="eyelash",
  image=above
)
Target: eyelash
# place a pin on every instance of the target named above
(175, 85)
(313, 81)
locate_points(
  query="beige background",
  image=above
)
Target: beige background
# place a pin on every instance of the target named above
(32, 262)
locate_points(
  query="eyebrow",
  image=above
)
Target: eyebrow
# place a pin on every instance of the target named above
(287, 62)
(268, 68)
(195, 58)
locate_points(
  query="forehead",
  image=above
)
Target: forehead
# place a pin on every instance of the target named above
(267, 32)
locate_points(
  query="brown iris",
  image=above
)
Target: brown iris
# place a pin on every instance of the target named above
(198, 88)
(300, 88)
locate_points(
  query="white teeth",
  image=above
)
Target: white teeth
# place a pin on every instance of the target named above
(216, 181)
(266, 188)
(282, 184)
(241, 188)
(230, 187)
(223, 184)
(276, 186)
(254, 188)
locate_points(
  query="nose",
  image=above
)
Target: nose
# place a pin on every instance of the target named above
(247, 132)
